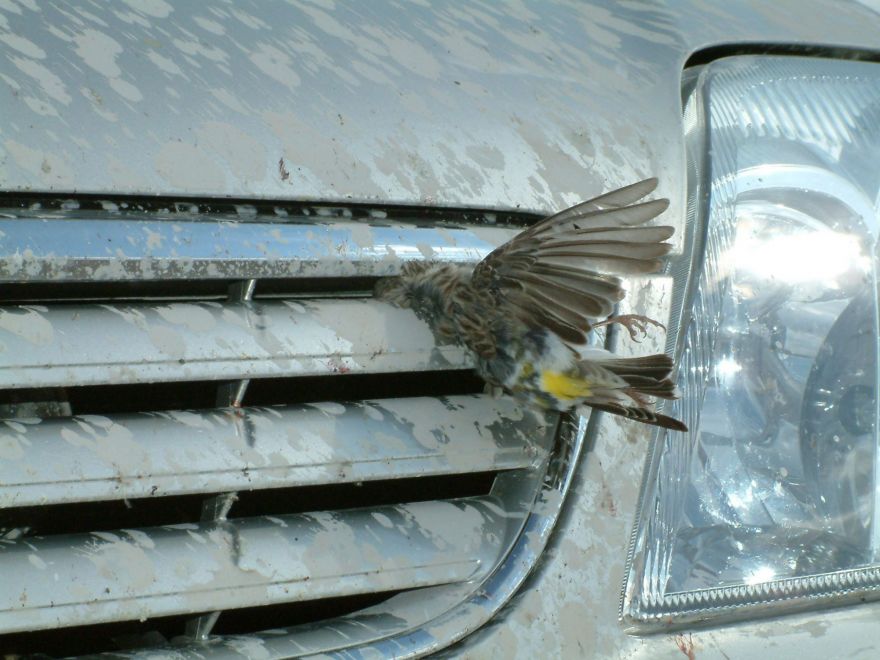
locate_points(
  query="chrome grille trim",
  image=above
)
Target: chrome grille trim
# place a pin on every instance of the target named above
(108, 248)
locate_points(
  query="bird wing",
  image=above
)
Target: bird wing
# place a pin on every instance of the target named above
(562, 272)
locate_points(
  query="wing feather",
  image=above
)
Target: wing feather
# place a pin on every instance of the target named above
(561, 272)
(626, 196)
(620, 249)
(628, 216)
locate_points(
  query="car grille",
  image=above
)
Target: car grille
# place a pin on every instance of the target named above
(217, 441)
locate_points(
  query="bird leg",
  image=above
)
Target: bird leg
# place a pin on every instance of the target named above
(633, 323)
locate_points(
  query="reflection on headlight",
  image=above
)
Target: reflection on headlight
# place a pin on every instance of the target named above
(726, 368)
(815, 256)
(761, 574)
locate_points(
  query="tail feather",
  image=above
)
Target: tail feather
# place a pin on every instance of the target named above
(662, 389)
(638, 366)
(637, 379)
(643, 415)
(644, 375)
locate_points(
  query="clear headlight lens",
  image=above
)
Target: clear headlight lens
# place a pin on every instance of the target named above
(771, 502)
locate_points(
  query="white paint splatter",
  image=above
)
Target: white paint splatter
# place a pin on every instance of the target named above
(193, 317)
(276, 64)
(99, 52)
(245, 156)
(382, 519)
(165, 63)
(126, 90)
(228, 99)
(185, 166)
(168, 341)
(209, 25)
(49, 82)
(10, 448)
(22, 45)
(27, 323)
(154, 8)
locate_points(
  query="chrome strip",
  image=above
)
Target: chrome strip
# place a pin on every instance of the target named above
(41, 249)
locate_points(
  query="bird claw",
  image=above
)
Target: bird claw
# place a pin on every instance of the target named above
(634, 324)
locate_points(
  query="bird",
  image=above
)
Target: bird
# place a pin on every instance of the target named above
(526, 309)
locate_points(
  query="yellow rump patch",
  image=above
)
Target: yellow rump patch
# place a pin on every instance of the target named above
(563, 386)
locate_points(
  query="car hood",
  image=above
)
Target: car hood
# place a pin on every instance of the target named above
(522, 105)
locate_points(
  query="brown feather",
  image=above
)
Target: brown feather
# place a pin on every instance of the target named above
(562, 263)
(652, 234)
(606, 265)
(641, 415)
(614, 199)
(629, 216)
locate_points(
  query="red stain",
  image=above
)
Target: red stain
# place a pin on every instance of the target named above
(686, 646)
(338, 368)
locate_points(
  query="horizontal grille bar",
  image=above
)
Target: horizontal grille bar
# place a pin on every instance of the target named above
(176, 453)
(41, 249)
(94, 344)
(133, 574)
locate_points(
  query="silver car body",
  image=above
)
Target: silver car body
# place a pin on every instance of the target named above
(520, 106)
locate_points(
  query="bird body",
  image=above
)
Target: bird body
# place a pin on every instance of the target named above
(524, 311)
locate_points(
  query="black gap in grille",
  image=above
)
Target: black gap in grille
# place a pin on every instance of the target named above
(269, 617)
(257, 210)
(40, 402)
(112, 515)
(355, 387)
(100, 638)
(171, 290)
(166, 632)
(61, 292)
(278, 501)
(318, 287)
(109, 399)
(201, 395)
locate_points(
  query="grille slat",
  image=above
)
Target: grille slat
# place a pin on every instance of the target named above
(94, 457)
(131, 574)
(45, 249)
(121, 344)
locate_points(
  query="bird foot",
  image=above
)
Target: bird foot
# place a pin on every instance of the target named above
(633, 323)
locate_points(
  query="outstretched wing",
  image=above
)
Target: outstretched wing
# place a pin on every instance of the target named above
(562, 272)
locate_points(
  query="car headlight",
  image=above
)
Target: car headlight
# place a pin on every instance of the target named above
(771, 502)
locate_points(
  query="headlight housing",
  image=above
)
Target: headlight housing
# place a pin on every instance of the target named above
(771, 502)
